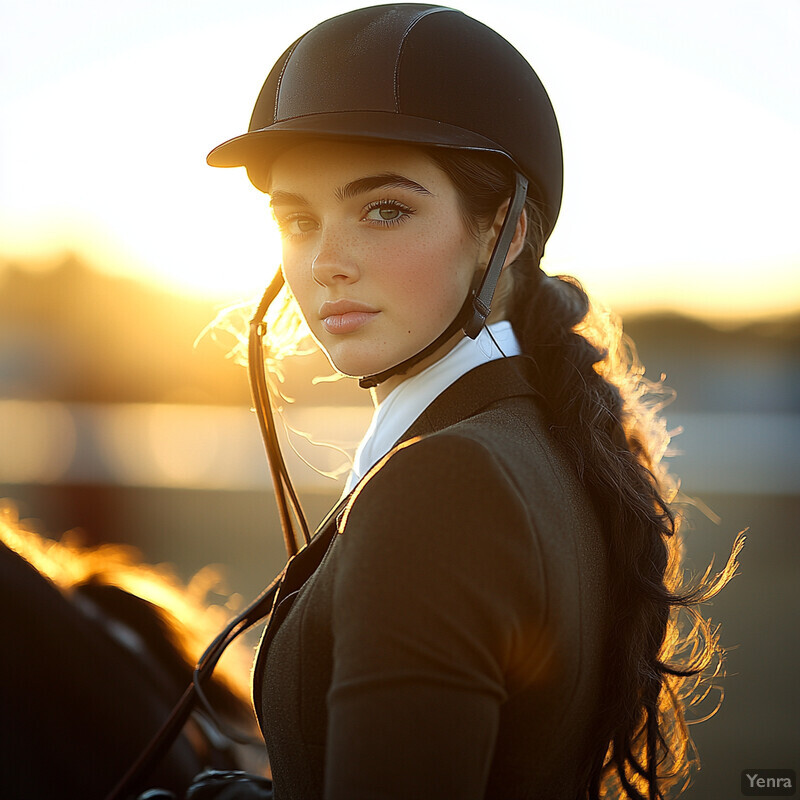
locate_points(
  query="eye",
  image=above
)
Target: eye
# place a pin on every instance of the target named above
(304, 224)
(387, 212)
(295, 225)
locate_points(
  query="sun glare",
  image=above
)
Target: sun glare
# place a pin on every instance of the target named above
(230, 267)
(654, 213)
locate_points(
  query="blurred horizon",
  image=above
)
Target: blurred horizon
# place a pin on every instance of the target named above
(780, 307)
(75, 340)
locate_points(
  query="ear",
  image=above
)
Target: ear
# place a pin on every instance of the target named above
(518, 242)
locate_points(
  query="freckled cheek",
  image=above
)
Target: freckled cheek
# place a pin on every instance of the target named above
(432, 273)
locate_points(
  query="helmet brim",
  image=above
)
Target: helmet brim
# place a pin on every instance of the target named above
(256, 150)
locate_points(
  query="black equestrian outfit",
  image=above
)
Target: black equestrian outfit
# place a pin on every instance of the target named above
(443, 635)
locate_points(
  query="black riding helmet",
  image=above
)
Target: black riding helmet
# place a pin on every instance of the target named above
(415, 74)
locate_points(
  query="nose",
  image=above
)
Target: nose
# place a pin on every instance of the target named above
(334, 261)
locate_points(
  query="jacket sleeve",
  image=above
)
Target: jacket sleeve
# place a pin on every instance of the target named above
(437, 592)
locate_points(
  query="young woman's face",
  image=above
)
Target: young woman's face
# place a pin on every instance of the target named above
(375, 249)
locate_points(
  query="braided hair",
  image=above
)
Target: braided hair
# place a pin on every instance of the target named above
(604, 414)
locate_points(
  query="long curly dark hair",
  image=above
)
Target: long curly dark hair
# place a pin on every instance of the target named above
(605, 414)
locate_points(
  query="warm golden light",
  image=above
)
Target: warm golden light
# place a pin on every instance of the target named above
(41, 437)
(680, 176)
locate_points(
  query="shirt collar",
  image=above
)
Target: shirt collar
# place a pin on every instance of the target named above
(398, 410)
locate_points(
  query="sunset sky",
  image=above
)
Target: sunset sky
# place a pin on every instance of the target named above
(680, 123)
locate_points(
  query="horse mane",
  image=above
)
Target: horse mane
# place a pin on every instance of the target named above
(145, 604)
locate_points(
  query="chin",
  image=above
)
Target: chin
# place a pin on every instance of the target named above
(356, 368)
(354, 364)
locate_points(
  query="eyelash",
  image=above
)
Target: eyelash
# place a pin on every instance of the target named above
(406, 212)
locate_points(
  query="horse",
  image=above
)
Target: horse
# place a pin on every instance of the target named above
(97, 647)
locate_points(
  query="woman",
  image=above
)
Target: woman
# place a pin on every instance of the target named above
(486, 614)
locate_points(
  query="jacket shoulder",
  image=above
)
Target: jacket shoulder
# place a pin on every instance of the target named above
(449, 469)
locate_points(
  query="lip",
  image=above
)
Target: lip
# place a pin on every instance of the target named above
(345, 316)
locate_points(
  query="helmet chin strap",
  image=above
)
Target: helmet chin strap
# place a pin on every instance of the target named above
(478, 304)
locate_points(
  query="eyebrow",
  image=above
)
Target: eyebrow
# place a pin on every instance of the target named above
(386, 180)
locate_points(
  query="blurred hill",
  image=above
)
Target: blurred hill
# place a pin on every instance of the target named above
(76, 335)
(70, 333)
(750, 367)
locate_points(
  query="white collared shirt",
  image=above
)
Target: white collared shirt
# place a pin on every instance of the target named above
(393, 416)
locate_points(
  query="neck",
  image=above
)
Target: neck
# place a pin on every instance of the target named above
(380, 392)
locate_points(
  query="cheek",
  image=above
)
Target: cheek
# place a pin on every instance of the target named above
(435, 269)
(297, 275)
